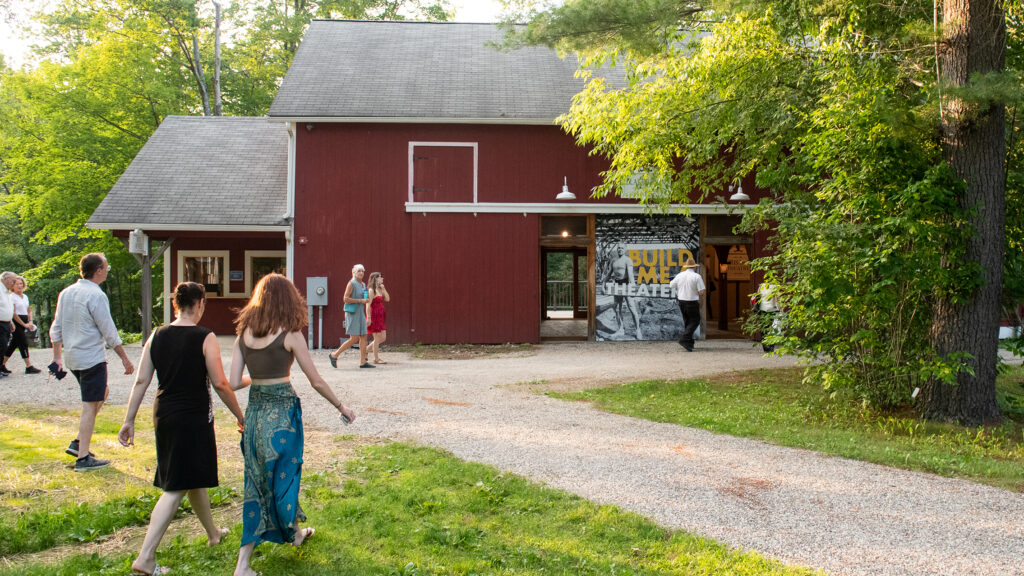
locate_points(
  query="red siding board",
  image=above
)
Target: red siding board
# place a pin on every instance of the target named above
(475, 277)
(220, 312)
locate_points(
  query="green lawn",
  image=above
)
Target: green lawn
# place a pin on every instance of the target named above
(388, 509)
(45, 503)
(776, 406)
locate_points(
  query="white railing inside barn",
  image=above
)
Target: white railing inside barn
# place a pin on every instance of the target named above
(559, 295)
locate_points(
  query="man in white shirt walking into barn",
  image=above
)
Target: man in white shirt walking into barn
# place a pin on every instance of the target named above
(689, 287)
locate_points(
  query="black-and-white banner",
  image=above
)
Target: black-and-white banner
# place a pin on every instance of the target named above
(637, 257)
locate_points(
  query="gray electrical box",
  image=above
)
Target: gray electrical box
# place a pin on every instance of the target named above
(316, 290)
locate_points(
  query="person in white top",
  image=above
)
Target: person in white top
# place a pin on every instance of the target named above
(6, 312)
(81, 329)
(22, 326)
(767, 301)
(689, 287)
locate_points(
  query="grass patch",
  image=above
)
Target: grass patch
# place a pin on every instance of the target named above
(460, 351)
(398, 510)
(778, 407)
(45, 503)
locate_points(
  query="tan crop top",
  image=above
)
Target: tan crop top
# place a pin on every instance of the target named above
(271, 361)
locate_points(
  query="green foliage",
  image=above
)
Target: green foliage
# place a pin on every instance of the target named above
(781, 407)
(832, 107)
(1013, 261)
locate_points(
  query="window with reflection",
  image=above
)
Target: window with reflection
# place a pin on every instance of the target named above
(260, 266)
(205, 270)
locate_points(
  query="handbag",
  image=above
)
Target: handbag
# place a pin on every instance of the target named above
(350, 307)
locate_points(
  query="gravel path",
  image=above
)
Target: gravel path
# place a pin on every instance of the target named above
(842, 516)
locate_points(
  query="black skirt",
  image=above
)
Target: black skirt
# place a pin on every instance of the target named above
(186, 450)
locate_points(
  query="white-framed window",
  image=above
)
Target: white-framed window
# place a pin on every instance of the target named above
(443, 171)
(259, 263)
(207, 267)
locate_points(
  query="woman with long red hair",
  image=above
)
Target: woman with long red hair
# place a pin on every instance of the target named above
(269, 339)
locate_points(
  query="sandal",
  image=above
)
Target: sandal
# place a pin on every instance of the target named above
(334, 361)
(379, 362)
(223, 533)
(306, 534)
(156, 571)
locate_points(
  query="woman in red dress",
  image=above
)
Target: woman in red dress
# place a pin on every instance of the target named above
(375, 312)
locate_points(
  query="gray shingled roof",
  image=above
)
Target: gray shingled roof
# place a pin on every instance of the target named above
(203, 171)
(356, 69)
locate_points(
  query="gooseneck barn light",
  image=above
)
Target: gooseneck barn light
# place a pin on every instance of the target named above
(565, 194)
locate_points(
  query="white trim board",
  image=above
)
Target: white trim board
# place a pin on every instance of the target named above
(544, 208)
(411, 120)
(476, 162)
(188, 227)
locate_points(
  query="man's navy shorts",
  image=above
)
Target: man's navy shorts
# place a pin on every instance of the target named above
(93, 382)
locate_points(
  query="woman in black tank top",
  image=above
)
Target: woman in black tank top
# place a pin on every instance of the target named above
(186, 359)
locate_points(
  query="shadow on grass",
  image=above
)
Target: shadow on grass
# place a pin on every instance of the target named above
(401, 510)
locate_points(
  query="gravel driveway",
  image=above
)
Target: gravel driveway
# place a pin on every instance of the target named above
(842, 516)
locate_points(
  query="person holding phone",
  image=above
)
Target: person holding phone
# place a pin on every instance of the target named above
(269, 340)
(378, 296)
(356, 297)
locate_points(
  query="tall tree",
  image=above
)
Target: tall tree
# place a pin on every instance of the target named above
(973, 144)
(887, 216)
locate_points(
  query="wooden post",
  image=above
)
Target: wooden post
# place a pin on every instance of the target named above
(146, 284)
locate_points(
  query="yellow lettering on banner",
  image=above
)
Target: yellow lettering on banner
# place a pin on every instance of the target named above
(666, 275)
(647, 276)
(685, 256)
(650, 258)
(669, 262)
(634, 255)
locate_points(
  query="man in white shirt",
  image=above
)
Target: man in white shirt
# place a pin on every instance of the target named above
(81, 329)
(689, 287)
(7, 280)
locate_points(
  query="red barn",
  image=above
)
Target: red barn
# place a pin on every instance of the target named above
(421, 151)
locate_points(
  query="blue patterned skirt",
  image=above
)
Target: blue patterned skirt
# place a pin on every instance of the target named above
(272, 449)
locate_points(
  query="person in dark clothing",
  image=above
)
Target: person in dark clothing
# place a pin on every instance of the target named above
(185, 357)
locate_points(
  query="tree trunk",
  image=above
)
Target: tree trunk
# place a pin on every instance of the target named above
(217, 106)
(973, 144)
(200, 78)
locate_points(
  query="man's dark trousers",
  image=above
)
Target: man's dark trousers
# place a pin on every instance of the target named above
(691, 321)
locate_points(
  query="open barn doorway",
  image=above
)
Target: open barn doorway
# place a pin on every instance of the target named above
(565, 277)
(565, 294)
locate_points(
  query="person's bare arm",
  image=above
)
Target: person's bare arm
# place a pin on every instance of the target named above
(297, 345)
(125, 361)
(215, 370)
(348, 299)
(237, 381)
(142, 380)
